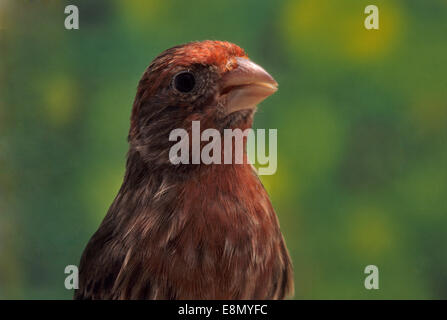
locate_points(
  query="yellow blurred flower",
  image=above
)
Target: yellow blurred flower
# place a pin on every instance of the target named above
(139, 12)
(59, 98)
(370, 232)
(279, 185)
(336, 28)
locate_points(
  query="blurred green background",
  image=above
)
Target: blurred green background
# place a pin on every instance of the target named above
(361, 118)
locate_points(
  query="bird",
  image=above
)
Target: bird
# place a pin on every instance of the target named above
(189, 231)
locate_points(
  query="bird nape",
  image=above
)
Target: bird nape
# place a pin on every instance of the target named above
(189, 231)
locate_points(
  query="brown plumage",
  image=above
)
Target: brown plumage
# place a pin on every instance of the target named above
(189, 231)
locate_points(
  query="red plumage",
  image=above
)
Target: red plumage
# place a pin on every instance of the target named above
(189, 231)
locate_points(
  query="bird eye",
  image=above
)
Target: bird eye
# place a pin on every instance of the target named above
(184, 81)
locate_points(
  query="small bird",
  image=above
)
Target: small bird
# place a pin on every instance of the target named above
(189, 231)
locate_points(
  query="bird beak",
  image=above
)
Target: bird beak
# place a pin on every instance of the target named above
(245, 86)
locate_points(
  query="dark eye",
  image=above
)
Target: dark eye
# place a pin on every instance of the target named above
(184, 81)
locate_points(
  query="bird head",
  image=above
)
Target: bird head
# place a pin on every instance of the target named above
(213, 82)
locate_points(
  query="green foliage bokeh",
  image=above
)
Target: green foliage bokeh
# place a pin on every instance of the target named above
(361, 118)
